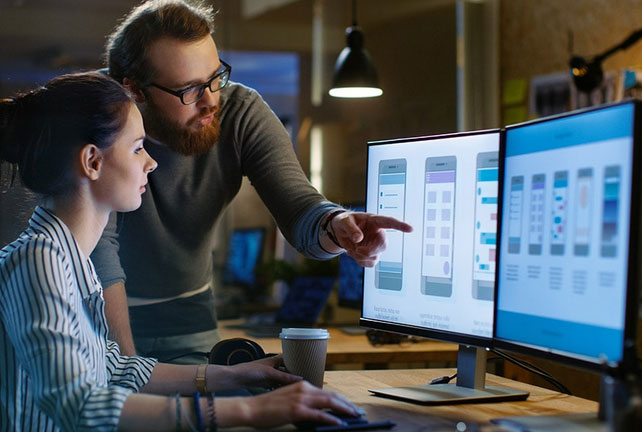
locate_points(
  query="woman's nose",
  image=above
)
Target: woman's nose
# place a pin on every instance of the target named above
(151, 164)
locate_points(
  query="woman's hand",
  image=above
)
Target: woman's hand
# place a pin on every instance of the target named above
(259, 373)
(293, 403)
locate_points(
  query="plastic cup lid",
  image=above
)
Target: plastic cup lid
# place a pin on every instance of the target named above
(304, 333)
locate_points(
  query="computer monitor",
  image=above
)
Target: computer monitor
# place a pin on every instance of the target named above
(437, 281)
(567, 275)
(350, 279)
(244, 253)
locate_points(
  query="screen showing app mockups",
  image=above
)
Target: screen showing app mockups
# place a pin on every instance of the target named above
(441, 275)
(564, 234)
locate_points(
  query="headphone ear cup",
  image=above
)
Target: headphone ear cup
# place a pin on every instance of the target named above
(233, 351)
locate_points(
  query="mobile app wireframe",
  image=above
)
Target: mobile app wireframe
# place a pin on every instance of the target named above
(559, 211)
(536, 214)
(485, 237)
(438, 232)
(515, 209)
(610, 211)
(391, 201)
(583, 211)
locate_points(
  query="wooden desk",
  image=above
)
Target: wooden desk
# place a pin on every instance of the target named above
(411, 417)
(345, 349)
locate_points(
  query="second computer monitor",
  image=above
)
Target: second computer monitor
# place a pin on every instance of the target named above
(567, 276)
(438, 280)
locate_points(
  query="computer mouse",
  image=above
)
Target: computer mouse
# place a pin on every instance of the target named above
(347, 419)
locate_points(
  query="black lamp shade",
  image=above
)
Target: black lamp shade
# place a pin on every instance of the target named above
(354, 73)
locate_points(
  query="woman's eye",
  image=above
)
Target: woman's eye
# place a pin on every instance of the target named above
(138, 150)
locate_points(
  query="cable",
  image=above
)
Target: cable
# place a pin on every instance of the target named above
(167, 360)
(513, 359)
(533, 369)
(444, 379)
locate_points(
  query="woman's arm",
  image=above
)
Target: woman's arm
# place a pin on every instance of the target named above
(293, 403)
(169, 378)
(44, 316)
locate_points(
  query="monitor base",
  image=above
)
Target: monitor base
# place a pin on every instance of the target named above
(585, 422)
(440, 394)
(353, 330)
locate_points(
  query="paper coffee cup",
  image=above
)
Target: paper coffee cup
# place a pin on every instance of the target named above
(304, 352)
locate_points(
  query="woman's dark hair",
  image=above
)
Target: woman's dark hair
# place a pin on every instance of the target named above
(42, 130)
(127, 46)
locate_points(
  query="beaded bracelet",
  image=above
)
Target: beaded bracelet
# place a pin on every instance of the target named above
(179, 426)
(327, 227)
(210, 407)
(199, 416)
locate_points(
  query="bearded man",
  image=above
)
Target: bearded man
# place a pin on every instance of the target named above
(206, 133)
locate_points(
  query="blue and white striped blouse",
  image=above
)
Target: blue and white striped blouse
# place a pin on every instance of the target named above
(58, 371)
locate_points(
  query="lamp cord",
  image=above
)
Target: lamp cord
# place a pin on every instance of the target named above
(354, 13)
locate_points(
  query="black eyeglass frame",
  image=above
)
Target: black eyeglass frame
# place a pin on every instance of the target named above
(201, 87)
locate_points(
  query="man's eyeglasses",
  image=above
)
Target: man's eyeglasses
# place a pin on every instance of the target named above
(192, 94)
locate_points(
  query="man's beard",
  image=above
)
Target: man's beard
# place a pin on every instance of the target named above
(178, 137)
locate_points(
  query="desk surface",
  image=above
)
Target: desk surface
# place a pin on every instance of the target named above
(345, 348)
(411, 417)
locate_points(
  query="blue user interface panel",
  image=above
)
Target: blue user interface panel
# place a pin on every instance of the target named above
(565, 234)
(439, 277)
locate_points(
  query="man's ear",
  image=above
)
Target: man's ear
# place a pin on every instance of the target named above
(91, 161)
(134, 89)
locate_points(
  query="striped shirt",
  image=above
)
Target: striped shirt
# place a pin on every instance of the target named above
(58, 371)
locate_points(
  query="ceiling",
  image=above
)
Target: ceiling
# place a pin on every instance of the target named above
(55, 33)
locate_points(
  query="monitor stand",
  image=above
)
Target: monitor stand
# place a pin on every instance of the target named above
(470, 387)
(582, 422)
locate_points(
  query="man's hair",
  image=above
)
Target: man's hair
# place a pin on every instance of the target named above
(127, 46)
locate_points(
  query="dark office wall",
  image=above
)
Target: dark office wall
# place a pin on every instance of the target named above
(535, 34)
(415, 56)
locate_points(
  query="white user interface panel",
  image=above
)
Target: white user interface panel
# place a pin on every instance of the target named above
(440, 276)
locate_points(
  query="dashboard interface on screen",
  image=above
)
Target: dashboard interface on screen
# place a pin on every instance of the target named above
(439, 277)
(564, 234)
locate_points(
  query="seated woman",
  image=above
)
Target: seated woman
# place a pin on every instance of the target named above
(78, 141)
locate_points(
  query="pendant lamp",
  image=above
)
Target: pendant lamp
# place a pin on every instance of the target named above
(354, 73)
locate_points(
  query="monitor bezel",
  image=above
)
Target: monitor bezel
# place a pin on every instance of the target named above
(409, 329)
(633, 274)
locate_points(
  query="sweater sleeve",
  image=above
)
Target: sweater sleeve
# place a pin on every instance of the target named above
(105, 256)
(38, 309)
(269, 161)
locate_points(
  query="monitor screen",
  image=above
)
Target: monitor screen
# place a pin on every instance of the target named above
(565, 229)
(438, 280)
(243, 254)
(350, 283)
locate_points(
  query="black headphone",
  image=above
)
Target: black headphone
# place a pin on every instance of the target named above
(233, 351)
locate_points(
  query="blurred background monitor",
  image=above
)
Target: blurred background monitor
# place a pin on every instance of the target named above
(244, 253)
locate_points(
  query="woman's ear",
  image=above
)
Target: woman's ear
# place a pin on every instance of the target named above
(134, 89)
(91, 161)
